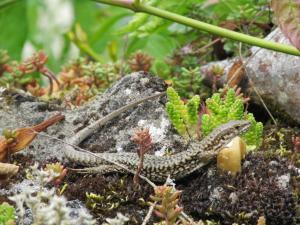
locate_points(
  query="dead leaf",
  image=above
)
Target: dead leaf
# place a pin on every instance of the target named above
(3, 149)
(26, 135)
(235, 74)
(230, 157)
(287, 13)
(261, 220)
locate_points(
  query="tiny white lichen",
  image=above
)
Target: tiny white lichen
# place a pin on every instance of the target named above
(2, 90)
(119, 148)
(128, 91)
(120, 219)
(45, 205)
(170, 182)
(157, 133)
(216, 194)
(144, 81)
(233, 197)
(283, 181)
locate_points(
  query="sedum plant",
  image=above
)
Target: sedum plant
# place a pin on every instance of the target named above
(184, 116)
(165, 202)
(189, 81)
(7, 214)
(219, 110)
(222, 110)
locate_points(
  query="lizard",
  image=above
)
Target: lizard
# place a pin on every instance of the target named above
(156, 168)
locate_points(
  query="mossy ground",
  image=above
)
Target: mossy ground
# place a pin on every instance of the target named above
(255, 190)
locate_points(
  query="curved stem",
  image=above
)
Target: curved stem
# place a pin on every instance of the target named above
(254, 41)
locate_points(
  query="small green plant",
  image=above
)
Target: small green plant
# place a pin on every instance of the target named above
(189, 81)
(219, 110)
(7, 214)
(230, 107)
(109, 199)
(93, 199)
(103, 74)
(184, 117)
(165, 202)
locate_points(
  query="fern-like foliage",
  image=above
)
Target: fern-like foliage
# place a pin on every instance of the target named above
(184, 117)
(222, 110)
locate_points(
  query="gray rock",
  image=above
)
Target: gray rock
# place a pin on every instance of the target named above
(20, 110)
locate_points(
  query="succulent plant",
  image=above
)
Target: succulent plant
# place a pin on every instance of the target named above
(7, 214)
(219, 110)
(183, 116)
(230, 107)
(166, 208)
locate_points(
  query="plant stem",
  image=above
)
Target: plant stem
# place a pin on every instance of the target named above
(85, 47)
(254, 41)
(89, 51)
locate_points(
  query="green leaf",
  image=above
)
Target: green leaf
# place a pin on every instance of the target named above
(13, 26)
(157, 45)
(101, 23)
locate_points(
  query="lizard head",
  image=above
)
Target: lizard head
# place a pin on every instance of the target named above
(223, 134)
(237, 127)
(234, 128)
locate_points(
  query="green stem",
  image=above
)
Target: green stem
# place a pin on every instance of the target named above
(129, 4)
(89, 51)
(254, 41)
(84, 47)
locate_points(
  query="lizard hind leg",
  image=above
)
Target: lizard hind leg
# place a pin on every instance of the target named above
(101, 169)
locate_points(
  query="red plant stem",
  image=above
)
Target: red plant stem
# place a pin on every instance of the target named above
(48, 73)
(49, 122)
(139, 170)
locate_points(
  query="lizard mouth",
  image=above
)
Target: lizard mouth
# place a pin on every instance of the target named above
(245, 127)
(242, 126)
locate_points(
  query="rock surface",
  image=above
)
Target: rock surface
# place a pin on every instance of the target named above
(20, 110)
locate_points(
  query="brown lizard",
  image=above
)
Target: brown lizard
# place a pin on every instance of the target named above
(156, 168)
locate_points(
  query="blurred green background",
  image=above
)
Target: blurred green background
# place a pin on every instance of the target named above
(65, 29)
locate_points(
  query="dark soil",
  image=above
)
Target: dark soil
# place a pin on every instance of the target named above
(244, 198)
(241, 199)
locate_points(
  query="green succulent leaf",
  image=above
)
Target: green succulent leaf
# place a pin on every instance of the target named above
(7, 214)
(229, 108)
(184, 117)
